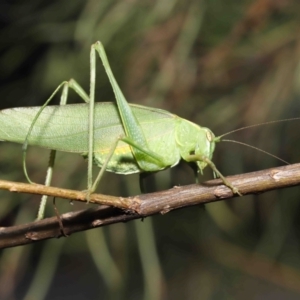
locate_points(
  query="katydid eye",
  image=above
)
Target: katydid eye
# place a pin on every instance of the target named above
(209, 136)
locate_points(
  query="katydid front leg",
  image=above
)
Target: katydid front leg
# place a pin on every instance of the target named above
(226, 182)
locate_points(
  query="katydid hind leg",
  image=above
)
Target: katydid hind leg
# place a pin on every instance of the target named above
(63, 100)
(132, 128)
(25, 144)
(128, 119)
(66, 85)
(90, 185)
(48, 179)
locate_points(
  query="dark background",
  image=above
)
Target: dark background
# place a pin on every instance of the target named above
(221, 64)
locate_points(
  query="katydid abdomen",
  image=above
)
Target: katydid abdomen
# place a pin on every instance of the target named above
(65, 128)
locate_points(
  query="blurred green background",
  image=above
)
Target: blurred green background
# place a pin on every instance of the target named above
(221, 64)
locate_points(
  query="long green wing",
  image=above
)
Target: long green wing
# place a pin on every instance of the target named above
(65, 128)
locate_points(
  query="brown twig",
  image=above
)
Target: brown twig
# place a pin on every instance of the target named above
(40, 189)
(126, 209)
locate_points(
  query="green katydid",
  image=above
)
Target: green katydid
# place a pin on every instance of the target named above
(119, 137)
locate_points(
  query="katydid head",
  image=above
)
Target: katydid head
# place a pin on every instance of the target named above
(196, 144)
(204, 147)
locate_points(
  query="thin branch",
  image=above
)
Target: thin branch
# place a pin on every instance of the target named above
(39, 189)
(126, 209)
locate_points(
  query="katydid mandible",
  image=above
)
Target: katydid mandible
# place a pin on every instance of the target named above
(119, 137)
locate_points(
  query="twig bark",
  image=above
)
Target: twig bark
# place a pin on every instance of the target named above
(126, 209)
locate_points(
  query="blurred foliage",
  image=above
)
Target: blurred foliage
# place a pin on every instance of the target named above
(221, 64)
